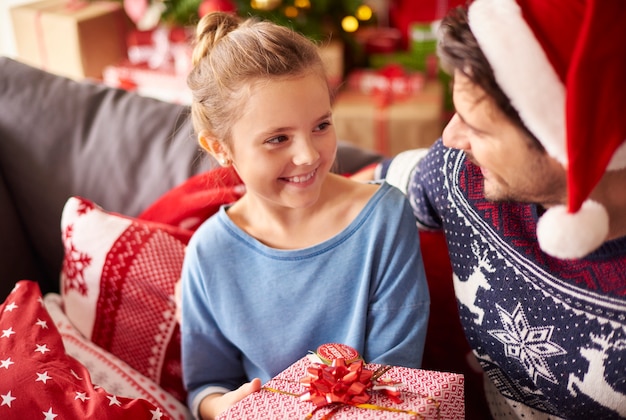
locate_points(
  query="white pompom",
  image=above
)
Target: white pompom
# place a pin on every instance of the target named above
(569, 236)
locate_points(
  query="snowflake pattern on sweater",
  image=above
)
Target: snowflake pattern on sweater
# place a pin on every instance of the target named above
(549, 333)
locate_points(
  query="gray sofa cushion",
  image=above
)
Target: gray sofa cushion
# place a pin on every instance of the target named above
(16, 253)
(60, 138)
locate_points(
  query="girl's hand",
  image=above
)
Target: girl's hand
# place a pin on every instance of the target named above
(214, 404)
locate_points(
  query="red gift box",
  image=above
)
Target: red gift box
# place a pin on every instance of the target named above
(162, 83)
(161, 48)
(424, 394)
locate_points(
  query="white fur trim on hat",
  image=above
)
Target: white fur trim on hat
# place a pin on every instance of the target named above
(573, 235)
(522, 70)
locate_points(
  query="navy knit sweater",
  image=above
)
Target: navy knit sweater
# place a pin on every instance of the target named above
(549, 333)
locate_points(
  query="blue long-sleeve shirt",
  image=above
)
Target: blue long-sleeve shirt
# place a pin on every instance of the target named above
(250, 310)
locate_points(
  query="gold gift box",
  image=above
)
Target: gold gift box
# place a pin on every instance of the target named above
(390, 125)
(76, 39)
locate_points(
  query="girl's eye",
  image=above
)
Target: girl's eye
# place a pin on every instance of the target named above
(277, 139)
(323, 126)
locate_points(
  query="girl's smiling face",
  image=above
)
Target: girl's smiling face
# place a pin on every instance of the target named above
(284, 143)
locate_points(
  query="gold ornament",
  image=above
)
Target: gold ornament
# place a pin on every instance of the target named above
(291, 12)
(265, 5)
(349, 24)
(364, 13)
(302, 4)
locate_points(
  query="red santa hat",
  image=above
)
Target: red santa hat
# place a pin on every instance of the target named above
(562, 63)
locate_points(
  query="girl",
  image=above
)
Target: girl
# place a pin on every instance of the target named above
(306, 256)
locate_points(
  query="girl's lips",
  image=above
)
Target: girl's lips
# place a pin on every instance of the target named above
(299, 179)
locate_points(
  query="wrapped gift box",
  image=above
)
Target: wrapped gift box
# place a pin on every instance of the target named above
(162, 47)
(424, 395)
(164, 83)
(75, 38)
(423, 40)
(391, 124)
(421, 54)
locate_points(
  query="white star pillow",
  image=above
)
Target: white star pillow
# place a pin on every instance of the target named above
(38, 380)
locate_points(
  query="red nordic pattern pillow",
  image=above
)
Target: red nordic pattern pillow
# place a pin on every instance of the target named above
(117, 285)
(38, 380)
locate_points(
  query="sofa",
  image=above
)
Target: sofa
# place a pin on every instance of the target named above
(100, 189)
(60, 138)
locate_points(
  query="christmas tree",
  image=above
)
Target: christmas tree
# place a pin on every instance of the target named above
(317, 19)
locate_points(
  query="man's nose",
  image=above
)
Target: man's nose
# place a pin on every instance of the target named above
(454, 134)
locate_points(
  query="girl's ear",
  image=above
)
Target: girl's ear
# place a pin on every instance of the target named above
(214, 147)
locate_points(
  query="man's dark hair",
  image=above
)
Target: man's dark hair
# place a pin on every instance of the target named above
(458, 50)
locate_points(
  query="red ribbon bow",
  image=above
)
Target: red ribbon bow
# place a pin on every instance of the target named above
(345, 383)
(337, 383)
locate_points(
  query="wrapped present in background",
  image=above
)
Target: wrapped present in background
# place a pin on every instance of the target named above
(157, 66)
(161, 47)
(379, 39)
(332, 55)
(389, 110)
(162, 83)
(404, 13)
(421, 54)
(415, 394)
(423, 45)
(392, 81)
(72, 38)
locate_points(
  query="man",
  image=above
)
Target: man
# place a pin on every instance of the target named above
(529, 186)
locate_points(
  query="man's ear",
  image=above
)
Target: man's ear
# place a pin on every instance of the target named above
(214, 147)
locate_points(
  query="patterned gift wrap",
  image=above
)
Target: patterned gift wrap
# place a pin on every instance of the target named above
(424, 394)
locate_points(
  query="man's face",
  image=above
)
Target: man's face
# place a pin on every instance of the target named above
(513, 167)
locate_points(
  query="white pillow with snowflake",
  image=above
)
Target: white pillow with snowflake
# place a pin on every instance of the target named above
(117, 285)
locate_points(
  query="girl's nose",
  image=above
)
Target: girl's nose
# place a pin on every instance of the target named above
(305, 152)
